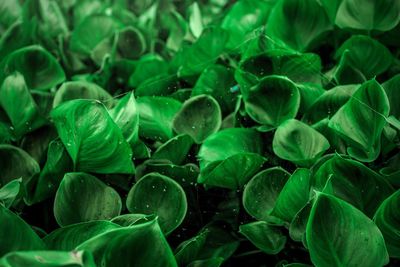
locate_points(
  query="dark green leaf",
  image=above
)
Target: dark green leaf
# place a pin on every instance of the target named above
(82, 197)
(160, 195)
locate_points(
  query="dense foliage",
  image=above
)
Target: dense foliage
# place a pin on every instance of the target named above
(199, 133)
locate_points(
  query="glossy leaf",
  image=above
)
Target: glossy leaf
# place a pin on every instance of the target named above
(293, 196)
(274, 100)
(126, 115)
(82, 197)
(353, 182)
(9, 192)
(204, 52)
(266, 237)
(364, 55)
(297, 142)
(91, 31)
(374, 15)
(199, 117)
(25, 116)
(175, 149)
(298, 23)
(335, 231)
(160, 195)
(155, 117)
(137, 245)
(262, 192)
(361, 120)
(39, 68)
(387, 218)
(81, 124)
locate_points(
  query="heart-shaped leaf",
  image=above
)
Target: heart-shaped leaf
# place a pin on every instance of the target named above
(298, 23)
(80, 125)
(9, 192)
(297, 142)
(155, 117)
(199, 117)
(82, 197)
(272, 101)
(361, 120)
(39, 68)
(25, 116)
(371, 15)
(262, 191)
(267, 238)
(175, 149)
(363, 55)
(335, 231)
(160, 195)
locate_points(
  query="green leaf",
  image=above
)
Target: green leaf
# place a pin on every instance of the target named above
(44, 258)
(232, 172)
(328, 103)
(262, 191)
(147, 68)
(353, 182)
(25, 116)
(175, 149)
(69, 237)
(335, 232)
(15, 163)
(274, 100)
(298, 226)
(131, 43)
(293, 196)
(39, 68)
(204, 52)
(160, 195)
(91, 31)
(363, 55)
(141, 245)
(92, 139)
(80, 90)
(371, 15)
(199, 117)
(227, 143)
(361, 120)
(297, 142)
(215, 81)
(126, 115)
(230, 157)
(267, 238)
(387, 218)
(9, 192)
(155, 117)
(82, 197)
(298, 23)
(16, 234)
(195, 21)
(242, 20)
